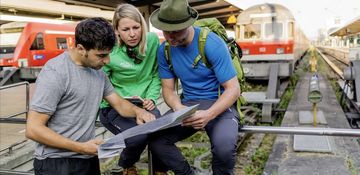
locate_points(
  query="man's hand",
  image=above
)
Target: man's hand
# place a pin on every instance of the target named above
(90, 147)
(148, 104)
(198, 120)
(142, 116)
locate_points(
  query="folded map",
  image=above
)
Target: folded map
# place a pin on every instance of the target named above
(114, 145)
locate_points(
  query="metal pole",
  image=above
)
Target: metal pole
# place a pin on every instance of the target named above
(11, 119)
(13, 85)
(150, 163)
(10, 172)
(314, 114)
(301, 131)
(27, 99)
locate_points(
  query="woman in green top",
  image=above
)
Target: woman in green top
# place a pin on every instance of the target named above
(133, 71)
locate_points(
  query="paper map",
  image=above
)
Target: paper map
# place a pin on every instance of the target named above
(114, 145)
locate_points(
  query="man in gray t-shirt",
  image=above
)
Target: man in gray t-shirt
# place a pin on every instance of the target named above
(68, 93)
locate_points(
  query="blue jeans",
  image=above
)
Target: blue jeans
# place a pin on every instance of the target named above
(116, 124)
(223, 134)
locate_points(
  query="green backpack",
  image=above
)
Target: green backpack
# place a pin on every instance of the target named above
(213, 25)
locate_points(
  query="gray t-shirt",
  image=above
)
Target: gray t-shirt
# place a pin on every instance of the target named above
(71, 95)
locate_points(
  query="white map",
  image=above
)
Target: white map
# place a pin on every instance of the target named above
(114, 145)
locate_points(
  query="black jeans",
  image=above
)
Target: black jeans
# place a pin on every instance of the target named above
(116, 124)
(66, 166)
(223, 134)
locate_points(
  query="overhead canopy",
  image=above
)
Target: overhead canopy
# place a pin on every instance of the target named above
(350, 28)
(75, 9)
(207, 8)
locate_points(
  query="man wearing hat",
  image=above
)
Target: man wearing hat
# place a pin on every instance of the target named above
(217, 114)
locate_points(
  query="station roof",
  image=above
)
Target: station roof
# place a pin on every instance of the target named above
(77, 9)
(349, 28)
(220, 9)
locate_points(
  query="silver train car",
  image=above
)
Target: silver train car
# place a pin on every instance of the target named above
(267, 34)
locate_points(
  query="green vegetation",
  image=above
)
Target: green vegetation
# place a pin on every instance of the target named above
(107, 164)
(249, 86)
(261, 155)
(191, 153)
(352, 168)
(198, 137)
(324, 68)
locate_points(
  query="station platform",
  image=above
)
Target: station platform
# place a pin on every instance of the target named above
(299, 154)
(13, 101)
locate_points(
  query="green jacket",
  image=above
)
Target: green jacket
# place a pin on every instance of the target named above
(130, 79)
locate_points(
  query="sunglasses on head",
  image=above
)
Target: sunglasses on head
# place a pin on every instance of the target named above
(132, 54)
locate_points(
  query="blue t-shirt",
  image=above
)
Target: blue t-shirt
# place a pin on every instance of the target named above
(201, 82)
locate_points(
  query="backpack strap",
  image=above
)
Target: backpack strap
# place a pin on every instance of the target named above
(204, 32)
(168, 61)
(167, 54)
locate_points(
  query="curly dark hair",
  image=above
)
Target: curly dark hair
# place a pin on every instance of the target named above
(95, 33)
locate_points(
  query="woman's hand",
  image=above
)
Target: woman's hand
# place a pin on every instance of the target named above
(148, 104)
(143, 116)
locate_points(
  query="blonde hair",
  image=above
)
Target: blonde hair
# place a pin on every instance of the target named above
(131, 12)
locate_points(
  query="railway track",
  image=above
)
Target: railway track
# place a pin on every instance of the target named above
(336, 64)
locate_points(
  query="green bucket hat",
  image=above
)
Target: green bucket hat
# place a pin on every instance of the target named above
(173, 15)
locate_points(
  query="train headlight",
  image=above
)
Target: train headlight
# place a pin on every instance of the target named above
(245, 51)
(22, 62)
(279, 50)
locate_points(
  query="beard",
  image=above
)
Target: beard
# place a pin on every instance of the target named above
(88, 63)
(179, 42)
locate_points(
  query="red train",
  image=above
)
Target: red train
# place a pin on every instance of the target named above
(27, 46)
(268, 33)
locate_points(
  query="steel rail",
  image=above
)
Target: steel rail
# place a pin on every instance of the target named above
(14, 120)
(10, 172)
(301, 130)
(340, 54)
(332, 65)
(11, 147)
(14, 85)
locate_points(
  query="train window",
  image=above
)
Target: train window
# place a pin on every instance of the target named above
(38, 43)
(291, 29)
(5, 50)
(252, 31)
(61, 43)
(351, 40)
(273, 30)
